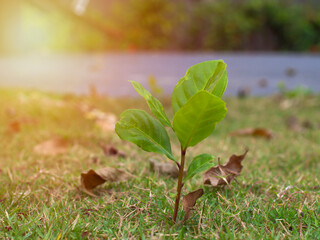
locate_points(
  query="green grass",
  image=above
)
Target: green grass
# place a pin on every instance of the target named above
(277, 195)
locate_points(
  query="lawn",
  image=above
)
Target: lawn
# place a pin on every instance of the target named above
(277, 195)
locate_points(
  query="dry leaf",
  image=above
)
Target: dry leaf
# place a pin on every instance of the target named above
(255, 132)
(93, 178)
(106, 121)
(14, 126)
(170, 169)
(189, 201)
(306, 124)
(52, 147)
(110, 150)
(286, 104)
(293, 124)
(224, 174)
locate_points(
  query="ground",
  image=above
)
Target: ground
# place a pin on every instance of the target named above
(275, 197)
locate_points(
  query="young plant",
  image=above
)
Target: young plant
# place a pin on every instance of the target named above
(197, 106)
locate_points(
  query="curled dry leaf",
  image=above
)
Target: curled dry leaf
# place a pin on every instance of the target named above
(224, 174)
(52, 147)
(254, 132)
(189, 201)
(93, 178)
(110, 150)
(170, 169)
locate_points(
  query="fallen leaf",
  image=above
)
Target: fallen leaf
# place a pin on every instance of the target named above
(52, 147)
(14, 126)
(188, 202)
(93, 178)
(110, 150)
(254, 132)
(307, 124)
(170, 169)
(293, 124)
(106, 121)
(224, 174)
(286, 104)
(108, 124)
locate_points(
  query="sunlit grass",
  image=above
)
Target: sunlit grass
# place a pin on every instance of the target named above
(276, 197)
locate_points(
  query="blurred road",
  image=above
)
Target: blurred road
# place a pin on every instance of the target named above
(110, 72)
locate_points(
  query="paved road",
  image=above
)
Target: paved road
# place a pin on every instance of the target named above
(110, 72)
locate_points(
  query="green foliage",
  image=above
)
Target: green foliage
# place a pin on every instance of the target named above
(196, 113)
(199, 164)
(297, 92)
(196, 120)
(153, 103)
(164, 24)
(210, 76)
(143, 130)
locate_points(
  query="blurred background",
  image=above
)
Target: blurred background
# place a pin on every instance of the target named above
(77, 45)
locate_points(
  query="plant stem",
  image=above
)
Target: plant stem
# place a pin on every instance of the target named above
(180, 185)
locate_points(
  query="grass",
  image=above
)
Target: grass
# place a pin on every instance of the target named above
(276, 197)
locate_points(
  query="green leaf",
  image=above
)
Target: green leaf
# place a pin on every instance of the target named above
(196, 120)
(209, 75)
(153, 103)
(146, 132)
(199, 164)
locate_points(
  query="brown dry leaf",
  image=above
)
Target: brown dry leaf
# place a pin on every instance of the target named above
(93, 178)
(293, 124)
(189, 201)
(254, 132)
(224, 174)
(306, 124)
(110, 150)
(52, 147)
(170, 169)
(14, 126)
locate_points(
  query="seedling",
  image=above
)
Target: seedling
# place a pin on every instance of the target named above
(197, 107)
